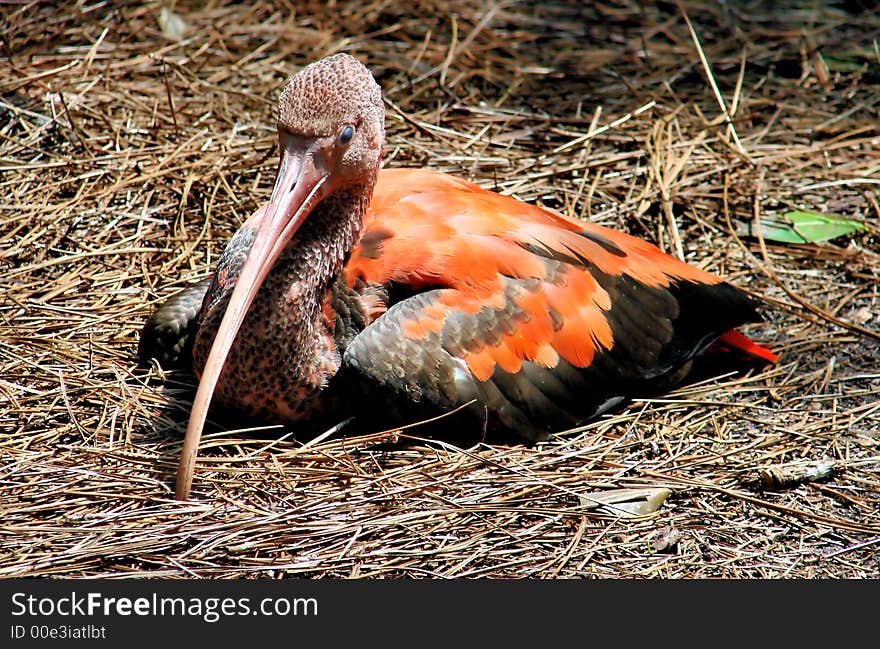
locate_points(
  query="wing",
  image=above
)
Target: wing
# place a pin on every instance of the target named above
(540, 320)
(427, 228)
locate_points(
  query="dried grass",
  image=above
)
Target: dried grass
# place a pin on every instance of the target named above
(128, 158)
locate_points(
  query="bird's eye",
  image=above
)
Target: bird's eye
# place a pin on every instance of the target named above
(346, 135)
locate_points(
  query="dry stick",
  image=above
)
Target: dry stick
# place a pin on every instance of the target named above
(74, 127)
(170, 100)
(21, 83)
(503, 467)
(856, 546)
(718, 97)
(593, 131)
(423, 127)
(737, 92)
(450, 55)
(90, 57)
(780, 304)
(666, 174)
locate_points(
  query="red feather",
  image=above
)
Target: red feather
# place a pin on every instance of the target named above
(736, 340)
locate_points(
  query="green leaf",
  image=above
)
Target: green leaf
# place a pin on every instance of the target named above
(801, 227)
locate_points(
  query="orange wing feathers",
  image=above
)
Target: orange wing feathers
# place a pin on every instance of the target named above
(428, 229)
(474, 234)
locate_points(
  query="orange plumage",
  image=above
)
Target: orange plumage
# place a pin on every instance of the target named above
(428, 229)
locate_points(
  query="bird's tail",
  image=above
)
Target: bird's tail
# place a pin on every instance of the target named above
(735, 340)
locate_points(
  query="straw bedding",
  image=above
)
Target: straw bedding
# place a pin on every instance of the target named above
(134, 138)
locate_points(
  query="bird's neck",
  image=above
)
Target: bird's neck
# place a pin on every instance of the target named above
(286, 351)
(289, 313)
(293, 293)
(318, 251)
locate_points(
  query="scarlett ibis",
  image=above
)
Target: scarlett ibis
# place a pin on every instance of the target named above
(409, 293)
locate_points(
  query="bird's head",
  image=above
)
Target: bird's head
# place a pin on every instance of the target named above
(332, 111)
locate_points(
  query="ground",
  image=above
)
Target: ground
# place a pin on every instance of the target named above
(134, 141)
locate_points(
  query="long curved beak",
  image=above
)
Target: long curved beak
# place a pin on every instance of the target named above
(300, 184)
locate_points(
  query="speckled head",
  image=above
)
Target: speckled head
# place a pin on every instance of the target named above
(329, 95)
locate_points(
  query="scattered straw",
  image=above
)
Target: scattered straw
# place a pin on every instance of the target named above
(130, 151)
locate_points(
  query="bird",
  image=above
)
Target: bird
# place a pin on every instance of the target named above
(399, 294)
